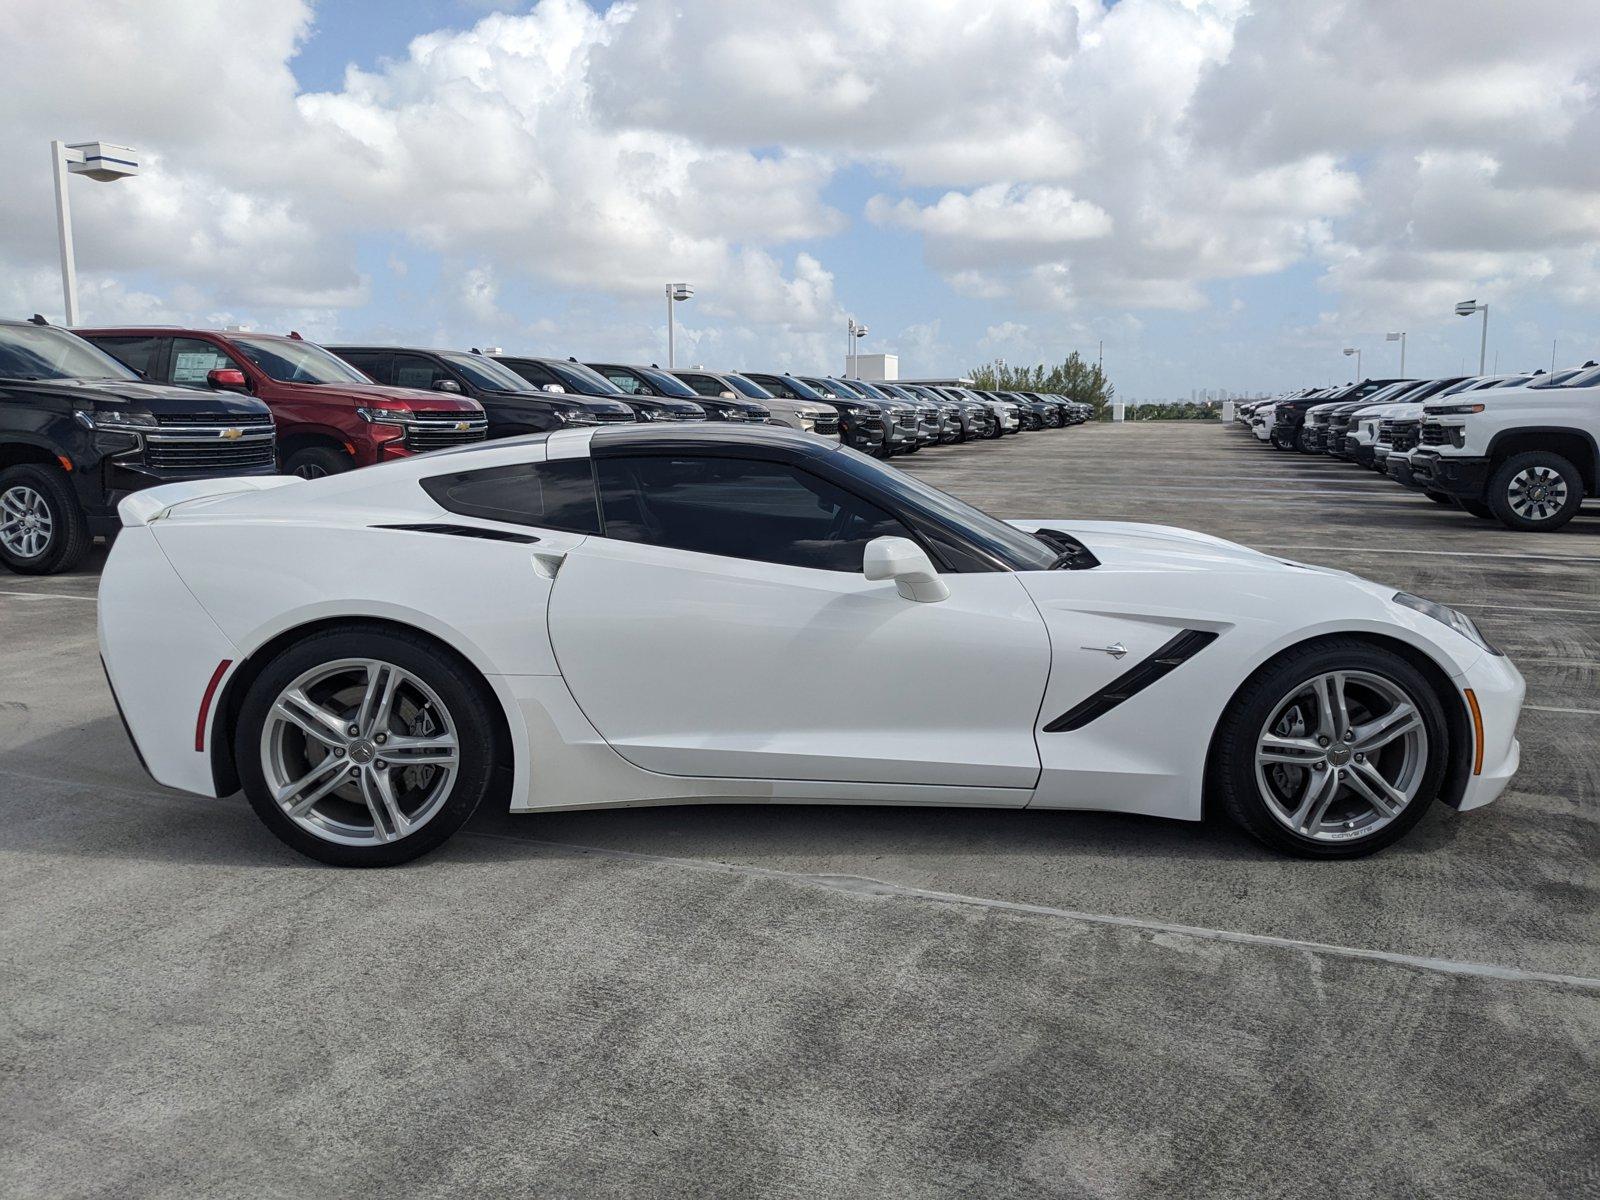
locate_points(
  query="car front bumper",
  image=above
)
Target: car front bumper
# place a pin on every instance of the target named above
(1463, 475)
(1398, 468)
(1498, 688)
(1363, 454)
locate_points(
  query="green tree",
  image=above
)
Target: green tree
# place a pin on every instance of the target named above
(1073, 377)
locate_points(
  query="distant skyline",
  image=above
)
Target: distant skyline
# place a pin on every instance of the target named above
(1227, 194)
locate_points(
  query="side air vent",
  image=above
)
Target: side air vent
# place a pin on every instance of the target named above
(1130, 683)
(1073, 554)
(467, 531)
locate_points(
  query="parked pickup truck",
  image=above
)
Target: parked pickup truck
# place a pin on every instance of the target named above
(1527, 455)
(79, 431)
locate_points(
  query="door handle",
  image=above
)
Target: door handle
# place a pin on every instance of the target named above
(547, 563)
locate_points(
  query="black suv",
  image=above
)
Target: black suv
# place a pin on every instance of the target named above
(1289, 416)
(654, 383)
(589, 388)
(861, 424)
(79, 431)
(512, 404)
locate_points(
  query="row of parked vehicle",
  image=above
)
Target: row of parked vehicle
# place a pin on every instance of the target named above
(89, 415)
(1523, 449)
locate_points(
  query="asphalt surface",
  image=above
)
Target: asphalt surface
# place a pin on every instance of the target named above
(829, 1001)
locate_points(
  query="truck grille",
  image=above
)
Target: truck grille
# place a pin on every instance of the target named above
(1434, 434)
(614, 418)
(828, 425)
(211, 443)
(434, 431)
(1403, 435)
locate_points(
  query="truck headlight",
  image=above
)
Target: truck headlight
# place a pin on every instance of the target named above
(114, 418)
(384, 416)
(1445, 615)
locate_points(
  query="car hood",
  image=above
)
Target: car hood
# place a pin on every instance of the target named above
(1125, 545)
(378, 395)
(157, 398)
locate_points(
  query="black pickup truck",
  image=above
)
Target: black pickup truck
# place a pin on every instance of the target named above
(79, 431)
(1289, 416)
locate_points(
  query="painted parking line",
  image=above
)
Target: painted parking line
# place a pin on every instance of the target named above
(50, 596)
(861, 885)
(1576, 712)
(1576, 558)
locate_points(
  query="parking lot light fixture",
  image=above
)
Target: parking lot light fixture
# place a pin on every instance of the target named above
(675, 292)
(1401, 338)
(853, 332)
(1348, 351)
(1465, 309)
(103, 162)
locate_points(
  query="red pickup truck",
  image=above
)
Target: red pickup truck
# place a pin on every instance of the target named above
(329, 416)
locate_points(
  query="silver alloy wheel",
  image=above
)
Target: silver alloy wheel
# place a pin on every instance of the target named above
(1341, 756)
(359, 752)
(26, 526)
(310, 471)
(1536, 493)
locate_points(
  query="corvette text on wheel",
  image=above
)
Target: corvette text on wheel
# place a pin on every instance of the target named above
(653, 614)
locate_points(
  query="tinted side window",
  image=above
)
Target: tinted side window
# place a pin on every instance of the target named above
(705, 385)
(554, 495)
(764, 511)
(374, 364)
(776, 386)
(626, 380)
(192, 359)
(139, 353)
(535, 373)
(417, 371)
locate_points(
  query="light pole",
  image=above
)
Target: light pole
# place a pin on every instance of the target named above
(675, 292)
(1401, 338)
(1465, 309)
(1348, 351)
(852, 333)
(101, 161)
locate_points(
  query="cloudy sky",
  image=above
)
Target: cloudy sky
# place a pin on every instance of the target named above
(1225, 193)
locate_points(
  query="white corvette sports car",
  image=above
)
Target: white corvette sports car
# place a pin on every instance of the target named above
(656, 615)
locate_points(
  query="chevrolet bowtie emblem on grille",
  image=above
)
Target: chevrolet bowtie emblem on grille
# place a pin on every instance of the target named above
(232, 435)
(1116, 649)
(463, 426)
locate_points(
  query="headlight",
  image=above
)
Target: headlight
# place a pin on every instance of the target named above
(385, 416)
(1460, 622)
(807, 422)
(1454, 410)
(576, 416)
(114, 418)
(645, 414)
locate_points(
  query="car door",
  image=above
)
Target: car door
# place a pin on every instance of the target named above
(722, 627)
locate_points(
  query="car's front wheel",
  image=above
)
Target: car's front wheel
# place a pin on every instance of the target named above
(43, 530)
(1332, 750)
(364, 747)
(315, 462)
(1535, 492)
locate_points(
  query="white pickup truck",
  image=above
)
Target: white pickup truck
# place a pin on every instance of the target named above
(1526, 455)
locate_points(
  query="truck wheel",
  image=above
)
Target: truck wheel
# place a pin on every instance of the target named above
(313, 462)
(1536, 491)
(1439, 498)
(42, 527)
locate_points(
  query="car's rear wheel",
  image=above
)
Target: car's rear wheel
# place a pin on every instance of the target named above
(1331, 751)
(1535, 492)
(315, 462)
(365, 748)
(43, 530)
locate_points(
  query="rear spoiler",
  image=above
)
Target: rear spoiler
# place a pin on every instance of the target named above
(152, 504)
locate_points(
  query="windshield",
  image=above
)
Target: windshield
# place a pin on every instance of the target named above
(1555, 380)
(44, 352)
(487, 374)
(1586, 379)
(289, 361)
(1508, 381)
(668, 385)
(583, 380)
(866, 389)
(1019, 550)
(1390, 392)
(823, 389)
(749, 387)
(800, 388)
(844, 387)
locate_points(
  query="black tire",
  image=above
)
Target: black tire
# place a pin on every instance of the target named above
(1232, 776)
(68, 538)
(1440, 498)
(458, 687)
(314, 462)
(1522, 476)
(1476, 507)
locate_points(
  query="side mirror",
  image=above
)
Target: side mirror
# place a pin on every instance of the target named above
(905, 562)
(553, 387)
(226, 379)
(447, 385)
(727, 395)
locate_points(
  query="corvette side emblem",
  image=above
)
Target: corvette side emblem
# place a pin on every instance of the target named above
(1116, 649)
